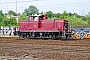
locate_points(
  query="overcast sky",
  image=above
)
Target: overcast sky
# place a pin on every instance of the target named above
(81, 7)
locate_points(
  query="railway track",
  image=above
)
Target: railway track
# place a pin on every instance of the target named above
(81, 43)
(38, 41)
(45, 48)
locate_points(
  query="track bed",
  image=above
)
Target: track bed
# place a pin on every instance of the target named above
(46, 49)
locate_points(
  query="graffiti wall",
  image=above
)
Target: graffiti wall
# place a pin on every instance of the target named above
(6, 31)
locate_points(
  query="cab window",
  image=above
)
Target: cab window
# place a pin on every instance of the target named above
(33, 18)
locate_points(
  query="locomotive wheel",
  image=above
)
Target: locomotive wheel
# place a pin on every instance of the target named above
(22, 36)
(27, 36)
(53, 37)
(64, 38)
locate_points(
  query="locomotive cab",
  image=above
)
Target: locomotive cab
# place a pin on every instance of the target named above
(33, 18)
(37, 17)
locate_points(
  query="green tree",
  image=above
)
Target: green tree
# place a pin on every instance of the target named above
(5, 21)
(12, 22)
(64, 15)
(75, 20)
(70, 14)
(54, 15)
(31, 10)
(41, 12)
(58, 15)
(1, 17)
(23, 16)
(88, 17)
(10, 12)
(49, 14)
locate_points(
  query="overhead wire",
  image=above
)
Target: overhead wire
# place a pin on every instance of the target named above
(67, 4)
(55, 6)
(49, 6)
(18, 1)
(79, 4)
(20, 8)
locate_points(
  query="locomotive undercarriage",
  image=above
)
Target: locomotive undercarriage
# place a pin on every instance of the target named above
(46, 35)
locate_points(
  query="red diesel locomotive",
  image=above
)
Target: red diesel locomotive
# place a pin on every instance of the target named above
(40, 27)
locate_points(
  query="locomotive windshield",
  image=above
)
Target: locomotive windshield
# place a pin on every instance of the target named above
(33, 18)
(40, 17)
(36, 18)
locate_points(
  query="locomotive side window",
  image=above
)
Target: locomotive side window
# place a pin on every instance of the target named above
(30, 18)
(40, 17)
(33, 18)
(36, 18)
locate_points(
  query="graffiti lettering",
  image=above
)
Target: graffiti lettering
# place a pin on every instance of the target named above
(6, 31)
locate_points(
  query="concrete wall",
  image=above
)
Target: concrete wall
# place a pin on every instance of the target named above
(6, 31)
